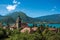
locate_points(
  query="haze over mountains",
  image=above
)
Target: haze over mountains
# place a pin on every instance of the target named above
(55, 18)
(11, 18)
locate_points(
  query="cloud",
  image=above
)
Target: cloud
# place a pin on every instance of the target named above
(54, 8)
(12, 7)
(14, 1)
(19, 3)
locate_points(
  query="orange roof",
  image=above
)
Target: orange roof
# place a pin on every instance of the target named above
(52, 29)
(26, 29)
(34, 28)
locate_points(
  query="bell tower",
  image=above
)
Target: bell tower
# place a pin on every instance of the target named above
(18, 22)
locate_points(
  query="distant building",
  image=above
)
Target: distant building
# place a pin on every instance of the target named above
(53, 29)
(23, 25)
(13, 26)
(26, 29)
(18, 22)
(34, 28)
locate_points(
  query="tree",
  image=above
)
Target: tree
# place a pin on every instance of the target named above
(54, 37)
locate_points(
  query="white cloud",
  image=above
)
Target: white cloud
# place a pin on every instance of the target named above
(54, 8)
(14, 1)
(19, 3)
(12, 7)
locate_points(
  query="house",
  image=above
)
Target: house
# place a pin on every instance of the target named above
(13, 26)
(23, 25)
(53, 29)
(18, 24)
(34, 28)
(25, 29)
(30, 30)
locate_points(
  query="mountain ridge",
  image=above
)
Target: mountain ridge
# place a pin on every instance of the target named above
(55, 18)
(13, 16)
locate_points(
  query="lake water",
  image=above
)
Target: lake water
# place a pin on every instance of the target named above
(54, 25)
(49, 25)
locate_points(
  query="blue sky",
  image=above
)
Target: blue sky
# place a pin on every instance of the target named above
(32, 8)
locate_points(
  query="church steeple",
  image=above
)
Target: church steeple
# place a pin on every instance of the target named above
(18, 22)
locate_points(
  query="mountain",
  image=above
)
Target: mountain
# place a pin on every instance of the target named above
(55, 18)
(12, 17)
(1, 16)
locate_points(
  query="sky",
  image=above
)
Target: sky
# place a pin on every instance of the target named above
(32, 8)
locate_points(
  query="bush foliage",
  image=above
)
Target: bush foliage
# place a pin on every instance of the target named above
(38, 35)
